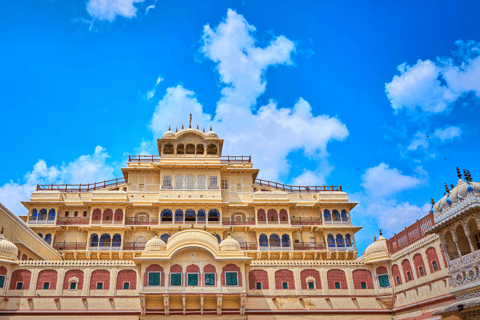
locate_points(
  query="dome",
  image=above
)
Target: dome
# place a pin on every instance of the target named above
(459, 193)
(377, 251)
(211, 134)
(155, 244)
(229, 244)
(169, 134)
(8, 251)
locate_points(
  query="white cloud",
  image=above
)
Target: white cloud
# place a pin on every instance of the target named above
(434, 86)
(151, 93)
(150, 7)
(448, 133)
(272, 132)
(110, 9)
(85, 169)
(383, 181)
(420, 141)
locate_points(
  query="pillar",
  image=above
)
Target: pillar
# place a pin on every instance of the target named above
(467, 233)
(455, 239)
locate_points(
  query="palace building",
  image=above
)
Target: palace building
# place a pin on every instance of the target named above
(192, 233)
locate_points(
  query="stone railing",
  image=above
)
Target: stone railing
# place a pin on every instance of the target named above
(471, 258)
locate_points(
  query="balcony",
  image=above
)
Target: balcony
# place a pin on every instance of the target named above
(337, 222)
(73, 221)
(81, 187)
(105, 247)
(140, 222)
(244, 222)
(272, 247)
(296, 189)
(69, 245)
(33, 220)
(108, 222)
(308, 246)
(306, 221)
(265, 222)
(134, 246)
(248, 245)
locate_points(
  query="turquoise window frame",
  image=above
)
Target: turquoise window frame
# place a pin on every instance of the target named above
(363, 285)
(154, 279)
(126, 285)
(231, 278)
(285, 285)
(192, 279)
(176, 279)
(2, 281)
(311, 285)
(383, 281)
(46, 286)
(337, 285)
(209, 279)
(99, 285)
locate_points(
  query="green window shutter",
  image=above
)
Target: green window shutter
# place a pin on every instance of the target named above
(259, 285)
(210, 279)
(2, 281)
(73, 286)
(311, 285)
(46, 286)
(363, 285)
(126, 286)
(99, 286)
(192, 279)
(176, 279)
(337, 285)
(154, 279)
(285, 285)
(231, 278)
(383, 280)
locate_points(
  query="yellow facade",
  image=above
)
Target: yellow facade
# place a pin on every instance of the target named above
(190, 232)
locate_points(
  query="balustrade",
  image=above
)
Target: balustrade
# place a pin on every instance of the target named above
(306, 221)
(308, 246)
(73, 221)
(233, 222)
(40, 221)
(133, 245)
(69, 245)
(141, 221)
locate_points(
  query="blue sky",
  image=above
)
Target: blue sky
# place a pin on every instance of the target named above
(379, 97)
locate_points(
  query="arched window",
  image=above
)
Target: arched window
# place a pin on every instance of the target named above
(40, 235)
(263, 240)
(274, 240)
(168, 149)
(348, 240)
(96, 215)
(285, 240)
(326, 215)
(272, 215)
(178, 215)
(190, 215)
(213, 215)
(201, 215)
(218, 238)
(34, 214)
(118, 215)
(51, 215)
(139, 243)
(105, 240)
(340, 242)
(212, 149)
(180, 149)
(166, 215)
(48, 238)
(336, 215)
(93, 240)
(261, 215)
(344, 215)
(283, 215)
(200, 149)
(331, 241)
(164, 237)
(190, 149)
(116, 240)
(43, 214)
(107, 215)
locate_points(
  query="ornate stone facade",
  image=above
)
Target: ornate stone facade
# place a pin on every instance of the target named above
(190, 232)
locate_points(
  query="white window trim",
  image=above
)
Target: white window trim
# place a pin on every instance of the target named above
(73, 280)
(214, 279)
(198, 279)
(159, 278)
(231, 285)
(181, 279)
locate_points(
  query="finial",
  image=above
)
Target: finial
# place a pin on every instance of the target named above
(156, 233)
(203, 129)
(169, 128)
(459, 174)
(465, 174)
(176, 129)
(469, 176)
(446, 187)
(198, 127)
(192, 225)
(228, 233)
(432, 201)
(380, 231)
(179, 228)
(182, 127)
(452, 186)
(210, 128)
(374, 238)
(205, 228)
(190, 125)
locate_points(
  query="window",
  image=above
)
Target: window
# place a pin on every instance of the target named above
(239, 186)
(67, 213)
(75, 214)
(224, 184)
(167, 182)
(212, 182)
(259, 286)
(126, 285)
(176, 279)
(383, 281)
(231, 278)
(154, 278)
(284, 285)
(84, 213)
(19, 286)
(363, 285)
(2, 281)
(209, 279)
(73, 286)
(398, 280)
(435, 266)
(337, 285)
(311, 285)
(422, 273)
(178, 182)
(192, 279)
(201, 182)
(409, 276)
(46, 285)
(99, 285)
(190, 182)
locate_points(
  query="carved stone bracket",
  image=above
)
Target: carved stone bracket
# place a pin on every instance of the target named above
(219, 304)
(166, 304)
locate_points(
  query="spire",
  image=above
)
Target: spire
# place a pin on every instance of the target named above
(182, 127)
(446, 187)
(459, 174)
(198, 127)
(176, 129)
(432, 201)
(452, 186)
(190, 125)
(380, 231)
(169, 128)
(469, 176)
(374, 238)
(210, 128)
(203, 129)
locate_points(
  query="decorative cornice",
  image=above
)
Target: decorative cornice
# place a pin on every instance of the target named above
(304, 263)
(77, 263)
